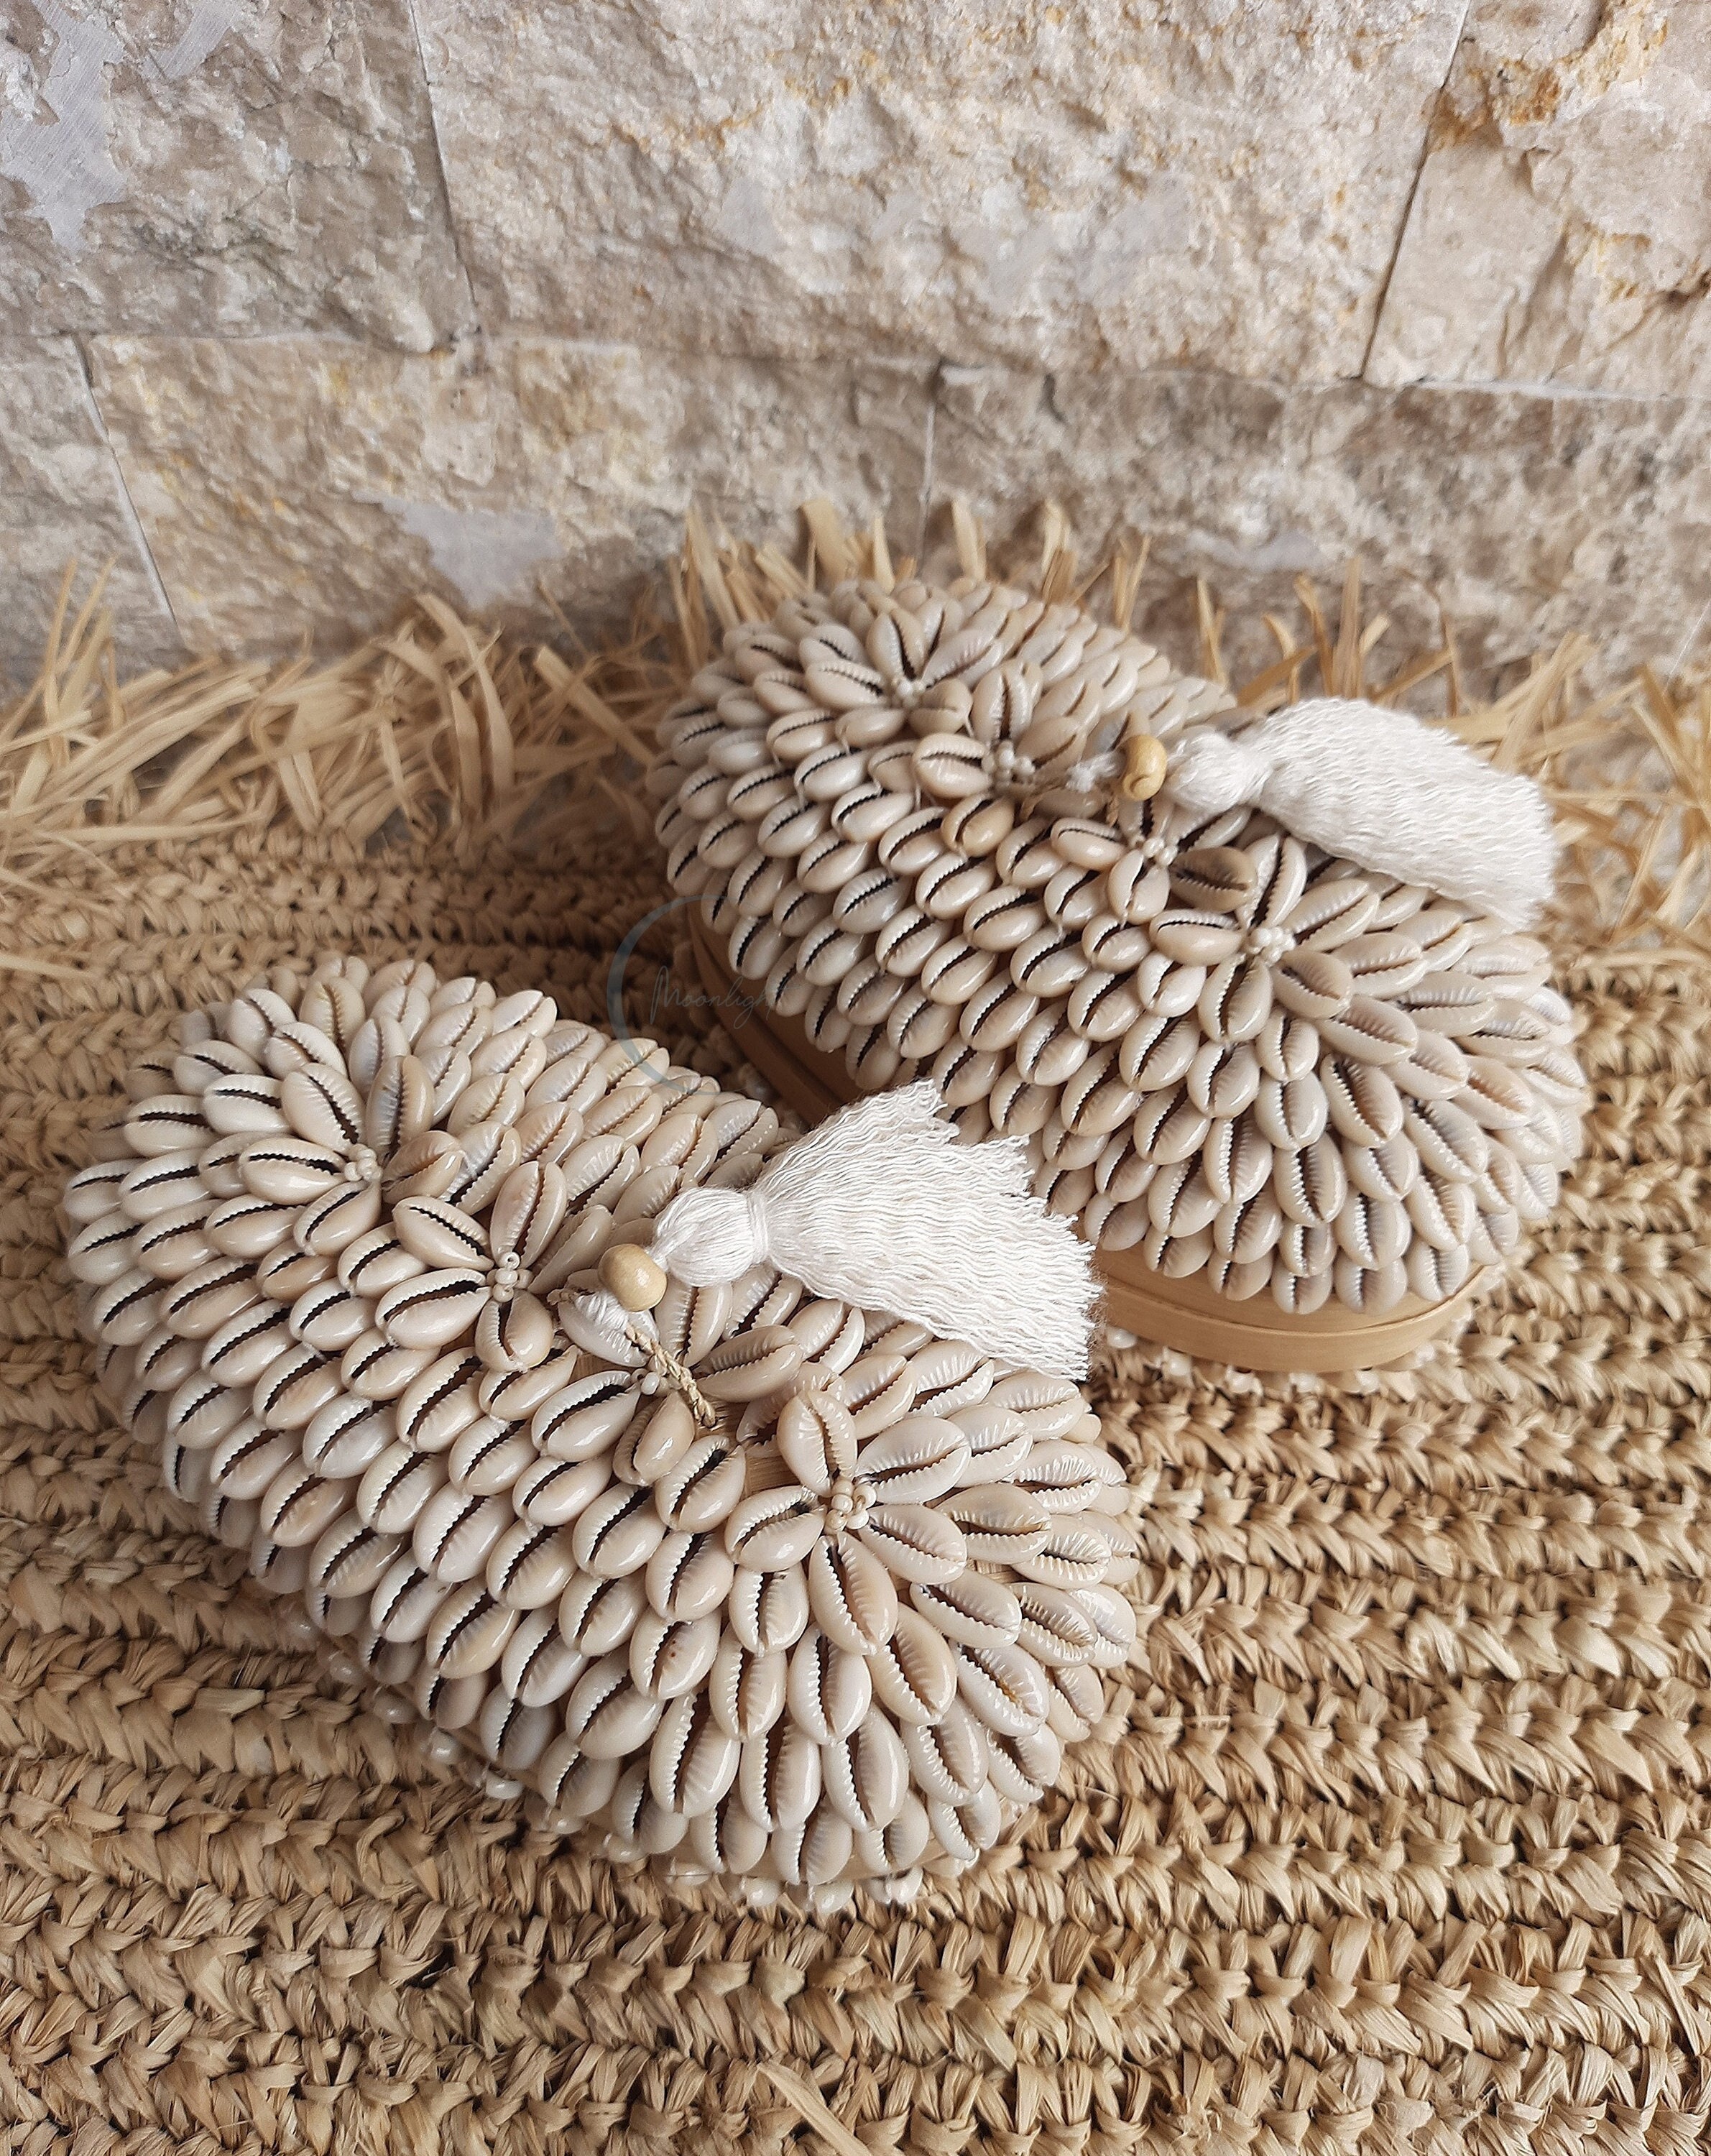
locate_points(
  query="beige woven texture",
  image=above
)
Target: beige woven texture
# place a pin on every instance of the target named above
(1399, 1839)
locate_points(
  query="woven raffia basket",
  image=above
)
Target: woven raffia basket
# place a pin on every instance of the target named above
(1396, 1836)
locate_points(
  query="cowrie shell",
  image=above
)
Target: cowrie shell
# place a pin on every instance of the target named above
(514, 1735)
(194, 1306)
(1023, 1768)
(1214, 879)
(440, 1235)
(617, 1533)
(538, 1668)
(828, 1692)
(394, 1488)
(769, 1611)
(299, 1505)
(403, 1604)
(435, 1409)
(915, 1460)
(249, 1227)
(574, 1786)
(286, 1273)
(816, 1439)
(554, 1492)
(606, 1715)
(329, 1316)
(431, 1310)
(200, 1410)
(289, 1170)
(998, 1441)
(750, 1366)
(865, 1775)
(1076, 1701)
(327, 1224)
(514, 1333)
(489, 1456)
(1194, 938)
(296, 1045)
(347, 1435)
(163, 1184)
(350, 1559)
(1056, 1627)
(94, 1191)
(597, 1616)
(654, 1444)
(249, 1344)
(670, 1656)
(584, 1417)
(999, 1521)
(245, 1462)
(1003, 1686)
(168, 1123)
(107, 1247)
(157, 1362)
(1074, 1554)
(490, 1151)
(468, 1632)
(701, 1491)
(816, 1853)
(376, 1368)
(778, 1777)
(774, 1529)
(1114, 1621)
(965, 1829)
(949, 1758)
(296, 1386)
(1368, 1031)
(1067, 1477)
(915, 1541)
(689, 1576)
(852, 1595)
(746, 1692)
(456, 1531)
(518, 1395)
(245, 1102)
(913, 1671)
(200, 1063)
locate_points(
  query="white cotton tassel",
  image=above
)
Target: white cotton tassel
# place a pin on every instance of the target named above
(1386, 791)
(882, 1208)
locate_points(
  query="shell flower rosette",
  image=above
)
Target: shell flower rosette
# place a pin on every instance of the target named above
(941, 832)
(757, 1582)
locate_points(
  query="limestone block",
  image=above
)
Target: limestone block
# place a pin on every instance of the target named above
(1527, 516)
(305, 484)
(222, 167)
(61, 500)
(1123, 182)
(1561, 232)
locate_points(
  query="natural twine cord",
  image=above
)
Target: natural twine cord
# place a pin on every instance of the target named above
(1400, 1839)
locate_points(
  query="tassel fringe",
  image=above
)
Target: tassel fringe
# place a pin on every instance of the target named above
(1387, 791)
(881, 1207)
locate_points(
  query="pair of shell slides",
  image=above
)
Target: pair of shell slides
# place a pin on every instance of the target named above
(1256, 991)
(729, 1495)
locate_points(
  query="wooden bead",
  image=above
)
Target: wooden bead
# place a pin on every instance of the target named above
(1147, 759)
(633, 1276)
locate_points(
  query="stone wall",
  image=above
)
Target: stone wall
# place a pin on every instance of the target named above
(310, 303)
